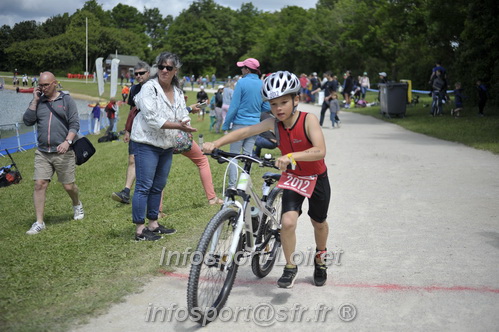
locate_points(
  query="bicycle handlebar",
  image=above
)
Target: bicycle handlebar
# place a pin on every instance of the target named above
(221, 156)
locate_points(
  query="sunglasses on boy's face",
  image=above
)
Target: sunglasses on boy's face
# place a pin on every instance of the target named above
(140, 73)
(168, 68)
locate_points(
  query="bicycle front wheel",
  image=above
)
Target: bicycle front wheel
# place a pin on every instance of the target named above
(210, 278)
(268, 241)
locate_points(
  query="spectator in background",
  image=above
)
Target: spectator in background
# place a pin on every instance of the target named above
(202, 97)
(439, 87)
(55, 138)
(303, 90)
(245, 109)
(443, 72)
(348, 88)
(458, 100)
(124, 92)
(218, 108)
(96, 119)
(213, 81)
(364, 85)
(382, 80)
(334, 108)
(227, 97)
(142, 72)
(329, 87)
(482, 96)
(314, 81)
(111, 109)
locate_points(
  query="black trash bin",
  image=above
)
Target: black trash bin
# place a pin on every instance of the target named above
(393, 99)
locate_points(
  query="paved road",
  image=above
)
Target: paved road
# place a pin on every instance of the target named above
(414, 226)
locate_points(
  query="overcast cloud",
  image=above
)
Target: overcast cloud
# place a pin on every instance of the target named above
(15, 11)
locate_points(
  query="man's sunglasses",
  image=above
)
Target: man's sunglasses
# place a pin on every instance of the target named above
(169, 68)
(140, 73)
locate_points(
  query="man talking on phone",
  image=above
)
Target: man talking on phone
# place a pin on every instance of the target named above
(56, 117)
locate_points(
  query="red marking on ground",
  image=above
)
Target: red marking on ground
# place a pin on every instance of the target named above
(383, 287)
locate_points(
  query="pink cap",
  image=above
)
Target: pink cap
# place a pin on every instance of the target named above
(250, 63)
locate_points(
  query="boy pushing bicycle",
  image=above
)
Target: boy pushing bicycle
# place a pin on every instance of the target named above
(302, 145)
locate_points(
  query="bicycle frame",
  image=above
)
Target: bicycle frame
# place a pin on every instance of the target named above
(246, 191)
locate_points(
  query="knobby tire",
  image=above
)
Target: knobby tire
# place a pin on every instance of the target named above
(209, 284)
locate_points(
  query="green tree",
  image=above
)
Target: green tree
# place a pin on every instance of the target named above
(95, 8)
(283, 45)
(477, 53)
(197, 36)
(66, 52)
(156, 27)
(127, 17)
(56, 25)
(25, 30)
(5, 41)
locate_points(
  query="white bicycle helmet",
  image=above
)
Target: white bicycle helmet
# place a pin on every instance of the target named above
(279, 84)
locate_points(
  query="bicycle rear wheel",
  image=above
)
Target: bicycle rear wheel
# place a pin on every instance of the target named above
(268, 241)
(210, 279)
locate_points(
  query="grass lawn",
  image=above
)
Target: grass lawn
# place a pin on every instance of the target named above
(76, 269)
(469, 129)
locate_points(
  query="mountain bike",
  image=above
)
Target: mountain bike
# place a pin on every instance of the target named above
(247, 227)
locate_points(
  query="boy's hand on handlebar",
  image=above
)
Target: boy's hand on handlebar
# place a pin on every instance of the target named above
(208, 147)
(282, 162)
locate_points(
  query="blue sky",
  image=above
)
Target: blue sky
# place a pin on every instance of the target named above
(14, 11)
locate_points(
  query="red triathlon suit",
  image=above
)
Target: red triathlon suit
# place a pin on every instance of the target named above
(295, 139)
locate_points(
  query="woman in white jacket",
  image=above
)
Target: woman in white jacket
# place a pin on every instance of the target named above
(162, 110)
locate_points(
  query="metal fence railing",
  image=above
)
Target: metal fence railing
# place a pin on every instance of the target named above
(19, 137)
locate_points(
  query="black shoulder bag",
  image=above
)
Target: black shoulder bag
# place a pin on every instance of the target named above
(82, 147)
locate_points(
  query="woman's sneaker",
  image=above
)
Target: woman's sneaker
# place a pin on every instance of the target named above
(288, 277)
(36, 228)
(163, 230)
(147, 235)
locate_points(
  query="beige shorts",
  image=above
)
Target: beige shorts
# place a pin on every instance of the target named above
(62, 164)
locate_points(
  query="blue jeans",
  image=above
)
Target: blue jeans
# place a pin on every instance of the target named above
(333, 118)
(111, 125)
(263, 143)
(247, 146)
(152, 166)
(363, 90)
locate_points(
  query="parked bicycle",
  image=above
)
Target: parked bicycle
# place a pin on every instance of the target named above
(246, 227)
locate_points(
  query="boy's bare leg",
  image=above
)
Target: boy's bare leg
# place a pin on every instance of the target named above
(288, 234)
(321, 232)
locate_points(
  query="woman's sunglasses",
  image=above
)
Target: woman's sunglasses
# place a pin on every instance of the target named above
(168, 68)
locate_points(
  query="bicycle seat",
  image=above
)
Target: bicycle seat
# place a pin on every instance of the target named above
(270, 175)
